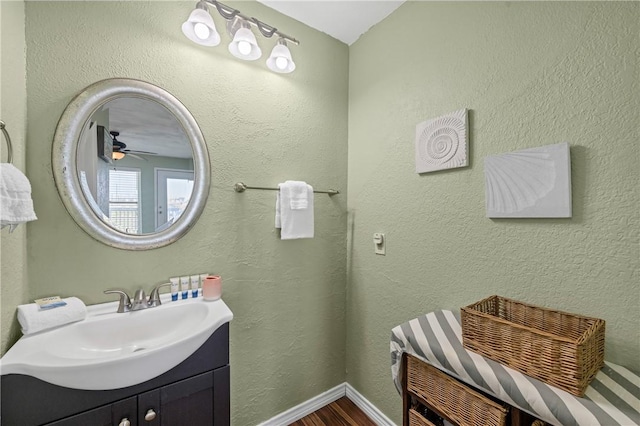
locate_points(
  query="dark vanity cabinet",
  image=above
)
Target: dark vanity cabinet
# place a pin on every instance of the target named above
(194, 393)
(117, 413)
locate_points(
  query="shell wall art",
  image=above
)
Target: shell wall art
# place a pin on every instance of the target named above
(532, 182)
(442, 142)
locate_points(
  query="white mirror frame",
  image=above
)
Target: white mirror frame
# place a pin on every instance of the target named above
(64, 158)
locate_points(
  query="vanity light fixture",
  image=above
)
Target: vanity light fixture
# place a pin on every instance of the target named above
(244, 44)
(280, 59)
(200, 28)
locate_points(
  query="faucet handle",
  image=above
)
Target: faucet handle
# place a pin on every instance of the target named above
(125, 301)
(154, 297)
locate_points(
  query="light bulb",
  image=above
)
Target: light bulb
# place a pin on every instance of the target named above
(201, 31)
(200, 28)
(282, 63)
(244, 47)
(280, 59)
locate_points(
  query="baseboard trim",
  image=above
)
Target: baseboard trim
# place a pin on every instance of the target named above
(367, 407)
(307, 407)
(325, 398)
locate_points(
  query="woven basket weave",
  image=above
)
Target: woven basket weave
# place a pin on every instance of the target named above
(415, 419)
(558, 348)
(456, 401)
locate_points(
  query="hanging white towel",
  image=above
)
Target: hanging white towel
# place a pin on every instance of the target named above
(298, 193)
(278, 215)
(294, 210)
(16, 205)
(33, 319)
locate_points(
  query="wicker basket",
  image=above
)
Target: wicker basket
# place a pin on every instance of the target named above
(415, 419)
(561, 349)
(452, 399)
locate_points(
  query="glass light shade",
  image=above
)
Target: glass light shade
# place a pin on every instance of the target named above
(244, 41)
(117, 155)
(280, 59)
(201, 19)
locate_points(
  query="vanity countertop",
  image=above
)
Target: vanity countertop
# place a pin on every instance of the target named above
(110, 350)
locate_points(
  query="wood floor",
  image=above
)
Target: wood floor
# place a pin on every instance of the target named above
(342, 412)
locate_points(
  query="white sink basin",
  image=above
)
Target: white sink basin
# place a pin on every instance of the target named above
(109, 350)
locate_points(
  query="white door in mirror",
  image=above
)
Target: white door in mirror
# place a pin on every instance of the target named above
(173, 193)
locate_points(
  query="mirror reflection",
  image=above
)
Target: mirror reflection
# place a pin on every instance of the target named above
(135, 165)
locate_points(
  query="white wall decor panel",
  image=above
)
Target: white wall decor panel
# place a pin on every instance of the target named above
(533, 182)
(442, 142)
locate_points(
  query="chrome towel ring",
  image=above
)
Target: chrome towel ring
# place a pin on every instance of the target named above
(9, 146)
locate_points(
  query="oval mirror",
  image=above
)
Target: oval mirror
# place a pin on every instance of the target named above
(131, 164)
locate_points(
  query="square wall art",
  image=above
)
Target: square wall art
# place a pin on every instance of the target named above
(442, 142)
(532, 182)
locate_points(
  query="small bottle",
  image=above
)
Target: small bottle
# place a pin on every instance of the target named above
(175, 284)
(184, 286)
(212, 287)
(195, 284)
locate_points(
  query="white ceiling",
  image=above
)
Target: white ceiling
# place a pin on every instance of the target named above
(343, 20)
(147, 126)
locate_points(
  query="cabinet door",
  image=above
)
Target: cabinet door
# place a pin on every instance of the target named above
(149, 408)
(188, 402)
(221, 396)
(118, 414)
(123, 413)
(97, 417)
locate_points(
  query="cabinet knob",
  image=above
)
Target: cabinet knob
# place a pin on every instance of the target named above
(124, 422)
(150, 415)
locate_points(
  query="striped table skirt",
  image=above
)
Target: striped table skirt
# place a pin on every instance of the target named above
(613, 398)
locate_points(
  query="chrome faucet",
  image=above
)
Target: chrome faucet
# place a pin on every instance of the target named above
(139, 299)
(154, 297)
(125, 302)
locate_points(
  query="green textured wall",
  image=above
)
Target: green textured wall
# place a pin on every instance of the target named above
(13, 111)
(532, 74)
(288, 297)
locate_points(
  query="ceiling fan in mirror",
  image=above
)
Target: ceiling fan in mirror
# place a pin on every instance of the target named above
(120, 149)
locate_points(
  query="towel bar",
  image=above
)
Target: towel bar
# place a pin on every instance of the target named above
(8, 138)
(241, 187)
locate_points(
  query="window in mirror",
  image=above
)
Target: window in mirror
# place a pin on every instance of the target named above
(124, 200)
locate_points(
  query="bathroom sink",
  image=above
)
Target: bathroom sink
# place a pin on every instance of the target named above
(109, 350)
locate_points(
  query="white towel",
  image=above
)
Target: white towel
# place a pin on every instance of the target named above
(294, 220)
(298, 194)
(33, 320)
(16, 205)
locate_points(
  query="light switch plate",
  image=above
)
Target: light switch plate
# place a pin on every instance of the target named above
(379, 243)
